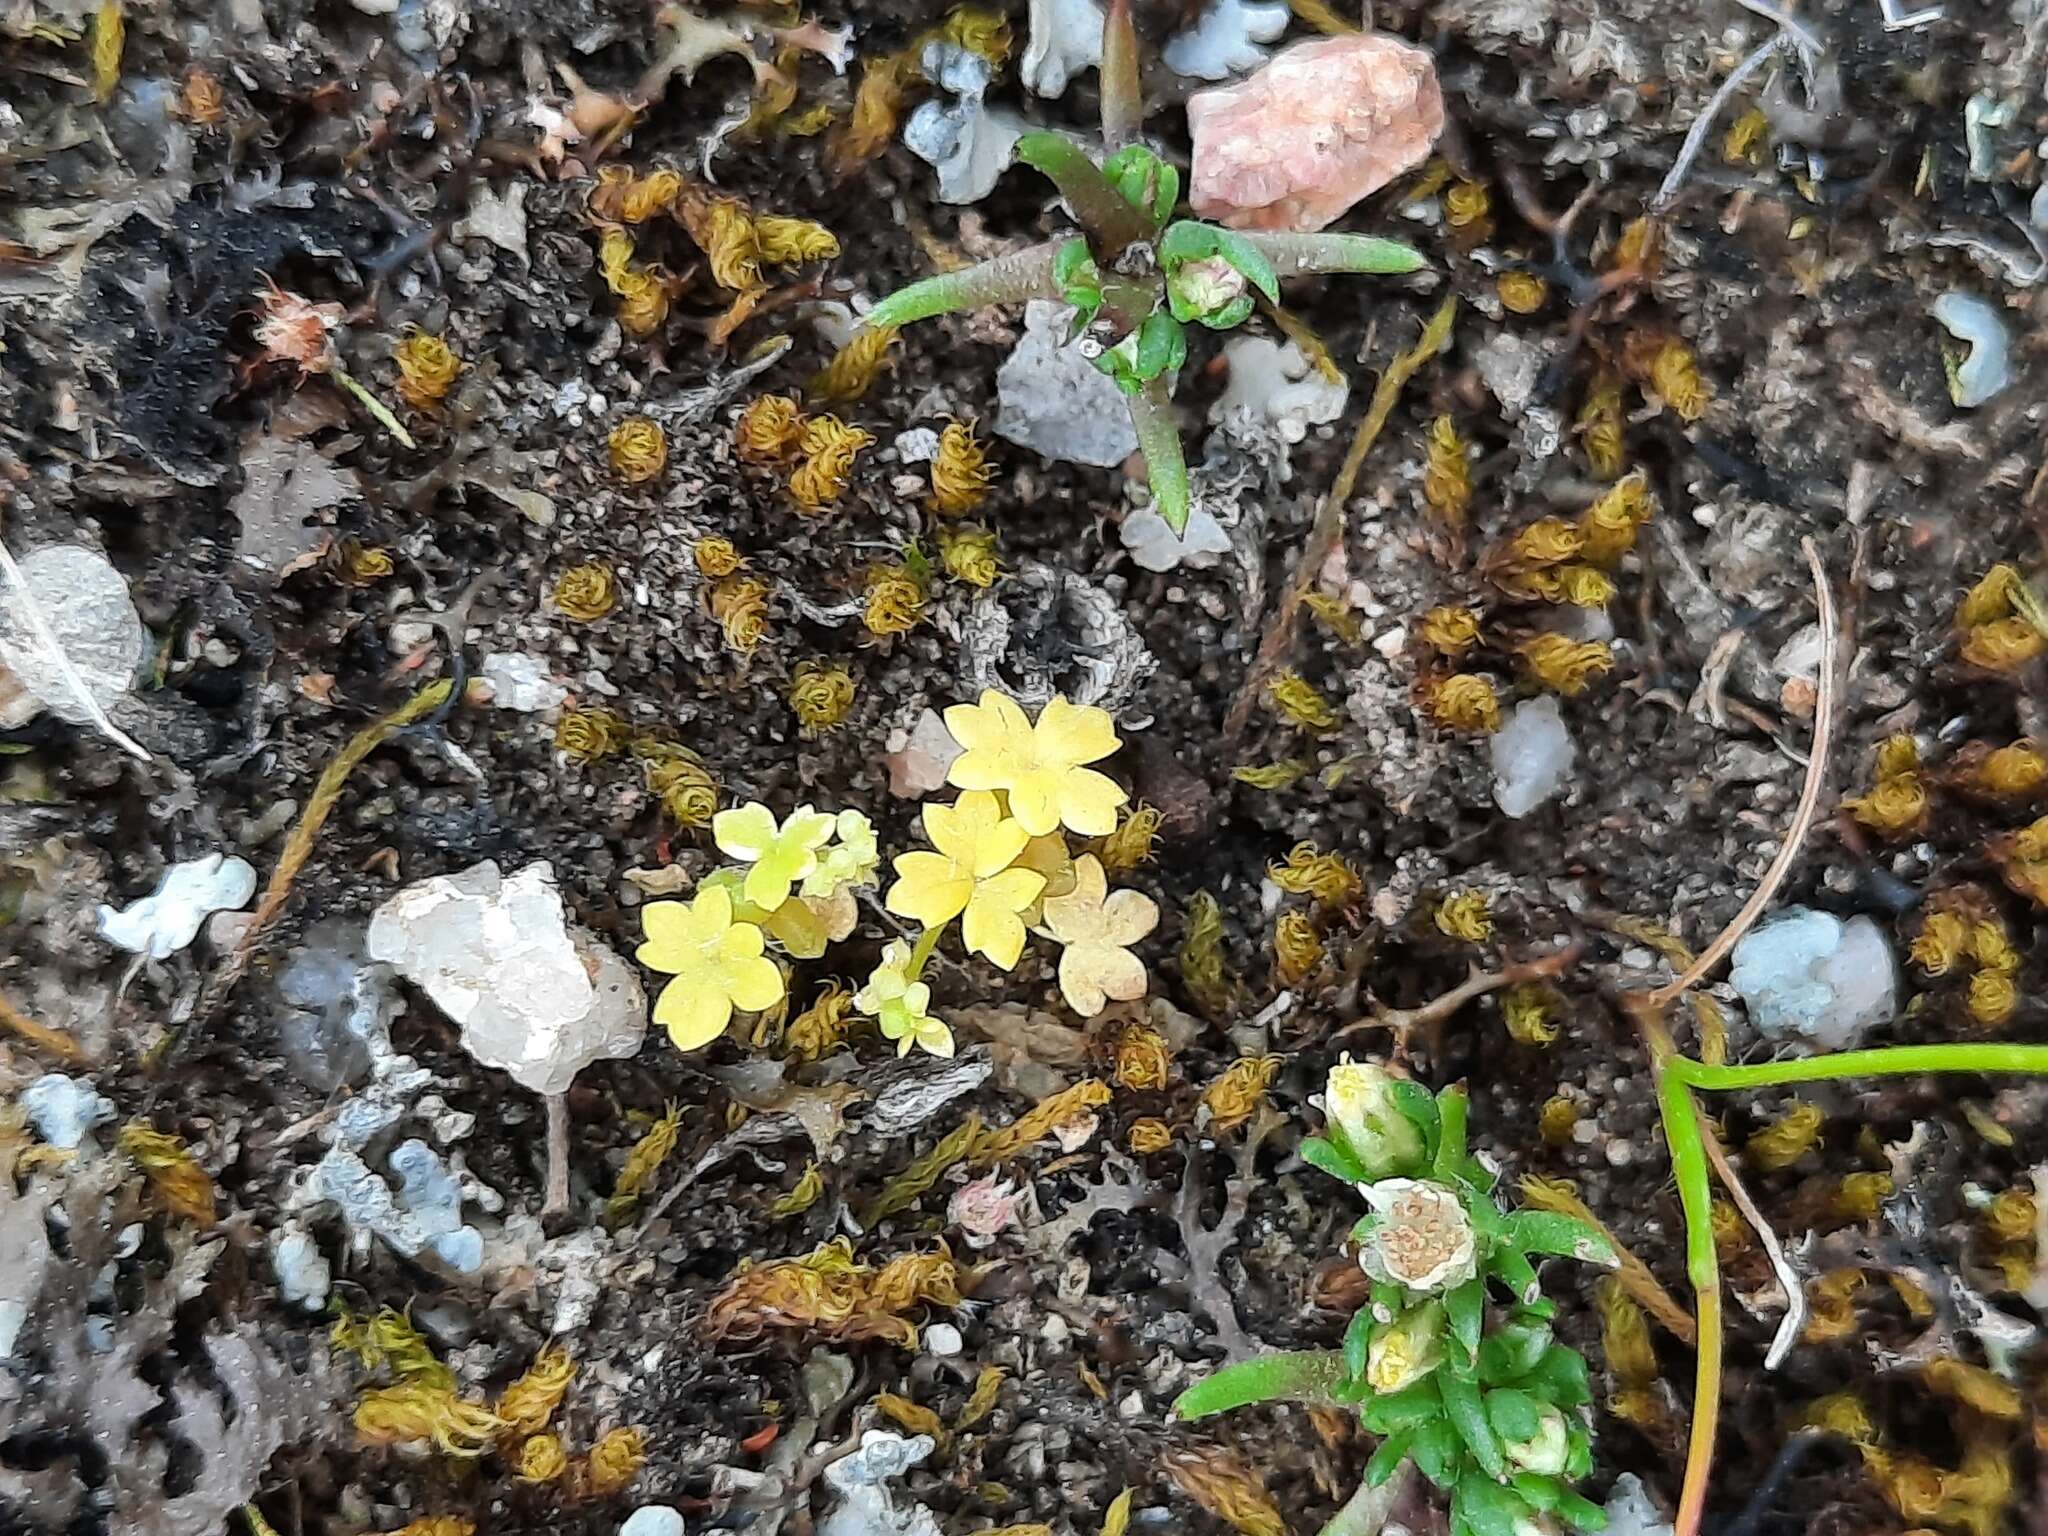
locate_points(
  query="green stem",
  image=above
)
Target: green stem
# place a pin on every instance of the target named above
(921, 952)
(372, 404)
(1111, 223)
(1159, 441)
(1301, 255)
(1025, 274)
(1123, 107)
(1885, 1061)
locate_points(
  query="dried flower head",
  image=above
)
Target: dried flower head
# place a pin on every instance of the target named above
(1202, 968)
(983, 1207)
(1564, 665)
(895, 601)
(1466, 915)
(200, 101)
(855, 366)
(1131, 843)
(716, 557)
(173, 1172)
(1326, 877)
(1297, 700)
(1579, 584)
(1297, 948)
(1991, 598)
(769, 429)
(1142, 1059)
(820, 693)
(542, 1459)
(724, 231)
(427, 369)
(586, 593)
(1521, 293)
(1451, 630)
(529, 1403)
(1335, 615)
(1423, 1239)
(1446, 476)
(740, 604)
(960, 471)
(820, 1028)
(639, 450)
(1147, 1135)
(615, 1461)
(1463, 701)
(1095, 928)
(967, 553)
(590, 735)
(1239, 1091)
(294, 330)
(677, 777)
(1675, 375)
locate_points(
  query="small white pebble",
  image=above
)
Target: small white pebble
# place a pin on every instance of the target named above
(653, 1520)
(1620, 1154)
(1987, 369)
(1533, 755)
(943, 1340)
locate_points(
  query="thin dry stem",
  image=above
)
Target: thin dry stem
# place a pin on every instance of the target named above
(1794, 1321)
(1809, 800)
(41, 1036)
(556, 1206)
(1477, 984)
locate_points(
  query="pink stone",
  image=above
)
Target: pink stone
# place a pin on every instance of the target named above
(1321, 125)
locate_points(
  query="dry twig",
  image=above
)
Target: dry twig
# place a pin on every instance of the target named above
(1476, 985)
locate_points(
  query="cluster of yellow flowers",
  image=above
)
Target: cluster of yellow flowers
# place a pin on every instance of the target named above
(999, 862)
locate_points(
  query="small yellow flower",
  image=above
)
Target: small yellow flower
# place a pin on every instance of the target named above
(362, 564)
(852, 859)
(1990, 599)
(780, 855)
(901, 1006)
(1095, 928)
(716, 557)
(1943, 940)
(426, 370)
(1040, 767)
(820, 693)
(971, 874)
(1557, 1120)
(645, 196)
(639, 449)
(1239, 1090)
(585, 592)
(1600, 426)
(719, 965)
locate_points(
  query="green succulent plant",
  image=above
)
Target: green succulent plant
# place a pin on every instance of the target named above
(1135, 276)
(1452, 1361)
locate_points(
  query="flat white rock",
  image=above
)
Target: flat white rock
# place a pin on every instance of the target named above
(168, 918)
(1811, 975)
(532, 996)
(87, 606)
(1052, 400)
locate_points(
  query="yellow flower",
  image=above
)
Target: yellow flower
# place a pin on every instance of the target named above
(1039, 767)
(780, 855)
(718, 965)
(901, 1006)
(851, 860)
(971, 873)
(1096, 929)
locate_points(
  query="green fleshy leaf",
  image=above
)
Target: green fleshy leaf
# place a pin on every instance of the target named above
(1144, 181)
(1387, 1413)
(1437, 1451)
(1162, 346)
(1538, 1491)
(1314, 1376)
(1466, 1305)
(1450, 1146)
(1555, 1233)
(1331, 1155)
(1559, 1377)
(1487, 1508)
(1511, 1351)
(1514, 1270)
(1514, 1415)
(1358, 1342)
(1467, 1414)
(1582, 1514)
(1419, 1105)
(1386, 1461)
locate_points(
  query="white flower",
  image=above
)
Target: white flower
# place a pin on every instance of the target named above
(1547, 1450)
(1424, 1240)
(1358, 1098)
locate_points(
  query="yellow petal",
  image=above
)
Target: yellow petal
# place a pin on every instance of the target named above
(745, 831)
(935, 1037)
(1089, 801)
(991, 929)
(1128, 916)
(757, 983)
(1075, 733)
(1035, 802)
(1077, 915)
(929, 888)
(997, 849)
(1011, 889)
(693, 1014)
(992, 724)
(1091, 972)
(768, 883)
